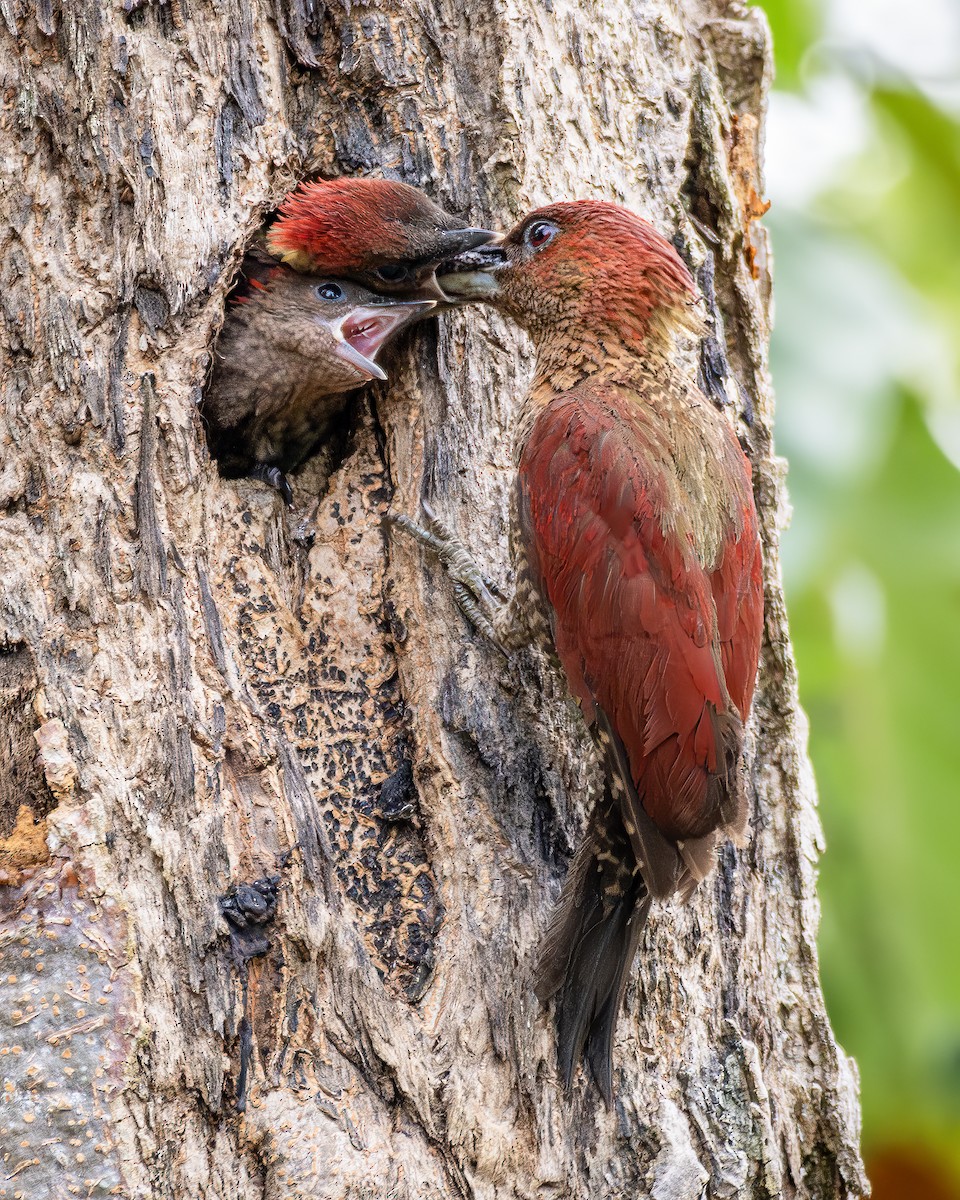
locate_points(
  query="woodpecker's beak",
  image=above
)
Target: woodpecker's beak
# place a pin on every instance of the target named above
(365, 330)
(457, 241)
(451, 244)
(470, 275)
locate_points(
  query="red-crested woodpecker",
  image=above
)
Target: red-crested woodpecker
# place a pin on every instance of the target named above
(386, 235)
(638, 561)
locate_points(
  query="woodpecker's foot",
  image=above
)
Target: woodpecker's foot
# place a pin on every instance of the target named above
(275, 478)
(478, 597)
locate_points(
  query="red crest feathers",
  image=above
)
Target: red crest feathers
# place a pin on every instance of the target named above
(616, 243)
(345, 225)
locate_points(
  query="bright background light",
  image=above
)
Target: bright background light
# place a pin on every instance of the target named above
(863, 170)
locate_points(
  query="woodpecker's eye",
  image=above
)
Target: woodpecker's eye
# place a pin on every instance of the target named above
(330, 291)
(393, 273)
(540, 234)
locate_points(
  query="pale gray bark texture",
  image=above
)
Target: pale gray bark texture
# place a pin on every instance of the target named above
(194, 680)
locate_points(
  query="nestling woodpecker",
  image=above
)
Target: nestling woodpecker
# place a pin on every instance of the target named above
(638, 562)
(289, 351)
(294, 343)
(378, 232)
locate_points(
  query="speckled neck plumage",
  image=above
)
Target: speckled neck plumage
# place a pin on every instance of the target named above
(569, 355)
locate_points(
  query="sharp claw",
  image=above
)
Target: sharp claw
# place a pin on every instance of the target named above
(474, 592)
(275, 478)
(442, 531)
(467, 603)
(424, 536)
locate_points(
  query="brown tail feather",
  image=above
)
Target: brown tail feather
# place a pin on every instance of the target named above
(589, 948)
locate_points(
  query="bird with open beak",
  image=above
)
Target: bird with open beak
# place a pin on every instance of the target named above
(638, 563)
(289, 352)
(346, 265)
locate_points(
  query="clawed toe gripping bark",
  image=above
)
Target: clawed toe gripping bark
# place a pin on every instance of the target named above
(275, 478)
(478, 597)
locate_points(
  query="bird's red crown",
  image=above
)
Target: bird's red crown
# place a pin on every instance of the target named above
(344, 225)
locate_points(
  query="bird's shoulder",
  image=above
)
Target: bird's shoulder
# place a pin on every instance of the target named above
(652, 448)
(597, 449)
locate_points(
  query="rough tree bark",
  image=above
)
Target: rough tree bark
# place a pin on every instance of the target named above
(194, 681)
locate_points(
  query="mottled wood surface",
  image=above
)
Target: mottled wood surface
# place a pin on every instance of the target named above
(194, 681)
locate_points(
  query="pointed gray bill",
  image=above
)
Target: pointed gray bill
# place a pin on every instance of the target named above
(470, 275)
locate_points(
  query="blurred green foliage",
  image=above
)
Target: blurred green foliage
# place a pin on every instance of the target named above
(866, 364)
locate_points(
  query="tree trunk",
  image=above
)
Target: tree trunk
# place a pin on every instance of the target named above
(201, 689)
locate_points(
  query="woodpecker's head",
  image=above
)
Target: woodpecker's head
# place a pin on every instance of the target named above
(583, 268)
(384, 234)
(336, 327)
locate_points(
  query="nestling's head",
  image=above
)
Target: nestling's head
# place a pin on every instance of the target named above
(584, 267)
(384, 234)
(337, 327)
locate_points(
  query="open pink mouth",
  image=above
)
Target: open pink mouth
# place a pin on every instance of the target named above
(366, 329)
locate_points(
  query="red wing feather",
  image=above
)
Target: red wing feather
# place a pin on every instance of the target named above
(635, 620)
(737, 586)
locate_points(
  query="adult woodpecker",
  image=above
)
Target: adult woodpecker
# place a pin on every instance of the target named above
(293, 344)
(638, 561)
(289, 351)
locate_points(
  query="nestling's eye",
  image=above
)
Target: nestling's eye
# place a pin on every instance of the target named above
(393, 273)
(330, 291)
(540, 234)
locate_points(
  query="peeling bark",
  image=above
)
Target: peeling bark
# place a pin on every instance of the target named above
(200, 689)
